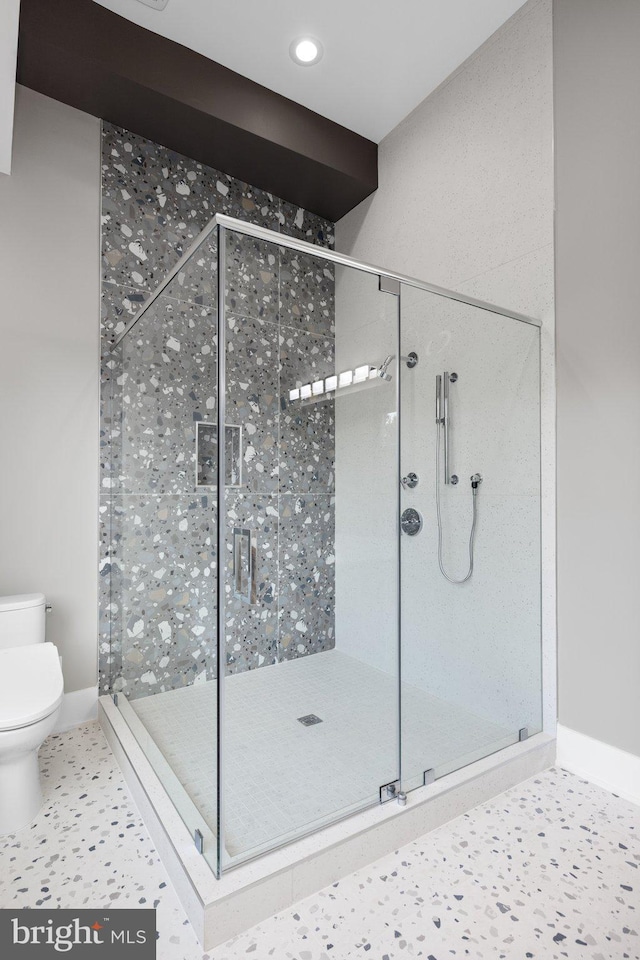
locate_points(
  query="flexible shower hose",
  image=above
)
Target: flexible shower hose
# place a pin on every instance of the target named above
(474, 491)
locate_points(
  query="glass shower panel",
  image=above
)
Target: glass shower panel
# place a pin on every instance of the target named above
(163, 556)
(310, 700)
(471, 651)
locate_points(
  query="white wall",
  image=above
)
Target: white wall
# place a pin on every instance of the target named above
(476, 644)
(597, 87)
(9, 16)
(466, 201)
(49, 374)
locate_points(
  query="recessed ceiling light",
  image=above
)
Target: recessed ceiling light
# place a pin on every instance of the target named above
(306, 51)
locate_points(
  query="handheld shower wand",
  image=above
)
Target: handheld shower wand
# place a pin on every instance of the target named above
(442, 425)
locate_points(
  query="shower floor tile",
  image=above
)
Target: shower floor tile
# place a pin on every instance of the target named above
(282, 777)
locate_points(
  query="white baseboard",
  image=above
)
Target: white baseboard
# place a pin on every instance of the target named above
(608, 767)
(78, 707)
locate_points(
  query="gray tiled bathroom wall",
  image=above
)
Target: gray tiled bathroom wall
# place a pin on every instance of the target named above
(158, 563)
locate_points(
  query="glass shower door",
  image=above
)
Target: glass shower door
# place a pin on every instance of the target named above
(161, 552)
(309, 639)
(471, 648)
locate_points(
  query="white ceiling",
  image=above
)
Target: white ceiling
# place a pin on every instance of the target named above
(381, 57)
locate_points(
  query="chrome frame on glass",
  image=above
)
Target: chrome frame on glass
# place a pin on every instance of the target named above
(272, 236)
(222, 224)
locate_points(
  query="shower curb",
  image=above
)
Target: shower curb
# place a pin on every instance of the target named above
(248, 894)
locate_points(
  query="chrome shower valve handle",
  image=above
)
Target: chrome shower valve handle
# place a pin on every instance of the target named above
(410, 481)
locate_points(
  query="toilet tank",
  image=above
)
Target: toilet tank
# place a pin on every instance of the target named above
(22, 620)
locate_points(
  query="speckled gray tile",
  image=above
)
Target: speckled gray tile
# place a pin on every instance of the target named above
(111, 407)
(151, 211)
(252, 628)
(207, 454)
(252, 398)
(165, 552)
(253, 204)
(306, 574)
(307, 429)
(300, 223)
(109, 596)
(161, 382)
(118, 307)
(307, 293)
(251, 277)
(197, 279)
(168, 384)
(155, 202)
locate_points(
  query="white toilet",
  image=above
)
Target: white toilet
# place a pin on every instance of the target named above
(31, 690)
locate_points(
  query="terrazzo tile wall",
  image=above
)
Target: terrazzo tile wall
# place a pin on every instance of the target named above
(158, 560)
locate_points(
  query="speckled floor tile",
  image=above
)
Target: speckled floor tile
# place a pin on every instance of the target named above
(547, 871)
(88, 845)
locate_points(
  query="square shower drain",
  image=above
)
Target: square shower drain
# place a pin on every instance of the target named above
(309, 720)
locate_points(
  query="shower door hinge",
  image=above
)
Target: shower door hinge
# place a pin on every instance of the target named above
(198, 839)
(389, 791)
(389, 285)
(428, 777)
(523, 734)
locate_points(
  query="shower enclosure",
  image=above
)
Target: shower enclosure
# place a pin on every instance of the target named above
(326, 610)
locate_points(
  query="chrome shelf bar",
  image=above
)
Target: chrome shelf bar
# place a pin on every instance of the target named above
(445, 423)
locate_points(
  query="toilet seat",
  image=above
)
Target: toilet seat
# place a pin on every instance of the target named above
(31, 684)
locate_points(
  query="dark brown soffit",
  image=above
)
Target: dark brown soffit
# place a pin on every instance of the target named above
(82, 54)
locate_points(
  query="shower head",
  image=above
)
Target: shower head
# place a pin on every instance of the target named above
(384, 366)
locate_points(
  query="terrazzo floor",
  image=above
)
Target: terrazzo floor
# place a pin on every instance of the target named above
(547, 870)
(283, 778)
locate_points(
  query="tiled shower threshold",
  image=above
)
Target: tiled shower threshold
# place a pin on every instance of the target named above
(220, 909)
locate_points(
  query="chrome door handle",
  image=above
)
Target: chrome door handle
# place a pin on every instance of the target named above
(244, 565)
